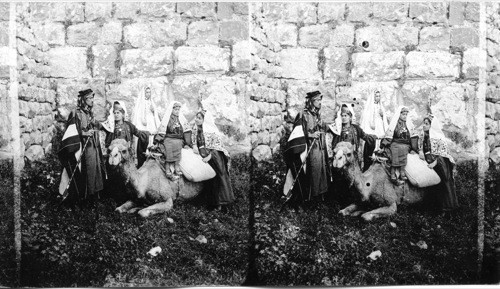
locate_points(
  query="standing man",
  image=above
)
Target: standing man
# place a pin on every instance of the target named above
(307, 141)
(80, 153)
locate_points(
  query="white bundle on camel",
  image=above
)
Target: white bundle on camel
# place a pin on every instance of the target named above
(193, 167)
(419, 174)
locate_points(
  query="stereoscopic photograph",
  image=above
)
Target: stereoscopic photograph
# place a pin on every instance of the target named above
(249, 143)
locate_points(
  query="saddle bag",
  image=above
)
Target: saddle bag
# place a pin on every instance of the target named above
(419, 174)
(193, 167)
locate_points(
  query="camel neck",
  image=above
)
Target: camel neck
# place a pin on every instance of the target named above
(354, 174)
(129, 172)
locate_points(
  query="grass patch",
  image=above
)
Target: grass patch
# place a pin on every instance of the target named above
(491, 263)
(320, 247)
(94, 246)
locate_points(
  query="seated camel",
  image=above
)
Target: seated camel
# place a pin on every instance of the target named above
(374, 186)
(148, 188)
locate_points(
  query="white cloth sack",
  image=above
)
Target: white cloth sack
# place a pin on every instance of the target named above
(419, 174)
(193, 167)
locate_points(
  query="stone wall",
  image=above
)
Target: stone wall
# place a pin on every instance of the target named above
(192, 52)
(493, 81)
(418, 54)
(5, 64)
(36, 92)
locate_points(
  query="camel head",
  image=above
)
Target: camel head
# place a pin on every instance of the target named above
(118, 152)
(343, 154)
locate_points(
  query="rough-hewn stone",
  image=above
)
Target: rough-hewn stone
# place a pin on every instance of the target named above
(336, 63)
(387, 38)
(241, 56)
(158, 9)
(201, 33)
(300, 63)
(305, 13)
(464, 37)
(110, 33)
(286, 34)
(138, 35)
(359, 12)
(391, 11)
(328, 11)
(457, 13)
(84, 34)
(232, 10)
(4, 11)
(262, 153)
(51, 32)
(434, 38)
(432, 65)
(342, 35)
(197, 9)
(377, 66)
(313, 36)
(126, 9)
(4, 33)
(105, 57)
(202, 59)
(169, 33)
(68, 62)
(147, 62)
(471, 63)
(96, 10)
(233, 31)
(472, 11)
(34, 153)
(429, 12)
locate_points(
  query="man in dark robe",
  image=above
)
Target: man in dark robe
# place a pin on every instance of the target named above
(311, 176)
(80, 153)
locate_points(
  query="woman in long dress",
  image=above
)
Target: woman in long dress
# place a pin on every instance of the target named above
(207, 143)
(373, 121)
(177, 135)
(435, 152)
(399, 140)
(145, 118)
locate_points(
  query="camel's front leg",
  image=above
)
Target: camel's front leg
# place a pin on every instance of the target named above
(380, 212)
(157, 208)
(351, 210)
(126, 207)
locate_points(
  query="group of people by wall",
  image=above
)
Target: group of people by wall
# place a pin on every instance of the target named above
(83, 157)
(309, 150)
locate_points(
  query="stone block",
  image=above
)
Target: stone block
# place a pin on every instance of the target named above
(285, 33)
(432, 65)
(126, 10)
(262, 153)
(4, 33)
(300, 63)
(74, 11)
(328, 12)
(429, 12)
(40, 11)
(68, 62)
(25, 124)
(457, 13)
(232, 10)
(313, 36)
(201, 33)
(52, 32)
(233, 31)
(491, 126)
(434, 38)
(110, 33)
(138, 35)
(204, 10)
(377, 66)
(67, 92)
(158, 9)
(105, 57)
(342, 35)
(169, 33)
(359, 12)
(471, 63)
(464, 37)
(97, 10)
(202, 59)
(305, 12)
(4, 11)
(391, 11)
(36, 137)
(472, 11)
(34, 153)
(146, 62)
(387, 38)
(84, 34)
(336, 63)
(495, 155)
(241, 56)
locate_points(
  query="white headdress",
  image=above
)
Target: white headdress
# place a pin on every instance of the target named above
(109, 123)
(143, 118)
(394, 122)
(168, 113)
(336, 127)
(371, 121)
(439, 142)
